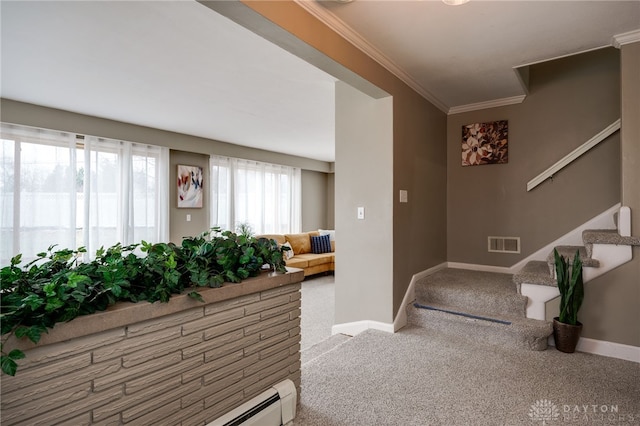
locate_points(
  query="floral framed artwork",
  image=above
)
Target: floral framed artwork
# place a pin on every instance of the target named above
(190, 192)
(485, 143)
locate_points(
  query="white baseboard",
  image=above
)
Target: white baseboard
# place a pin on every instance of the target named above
(604, 348)
(610, 349)
(482, 268)
(357, 327)
(410, 295)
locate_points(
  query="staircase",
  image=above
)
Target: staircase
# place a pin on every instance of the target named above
(602, 251)
(484, 307)
(509, 309)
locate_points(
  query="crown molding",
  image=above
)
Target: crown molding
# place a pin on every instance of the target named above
(487, 104)
(626, 38)
(346, 32)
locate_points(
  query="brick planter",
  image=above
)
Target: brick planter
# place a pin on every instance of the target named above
(182, 362)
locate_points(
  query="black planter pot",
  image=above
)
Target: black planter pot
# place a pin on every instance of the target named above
(566, 335)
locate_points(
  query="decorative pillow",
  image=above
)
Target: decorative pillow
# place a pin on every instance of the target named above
(321, 244)
(332, 236)
(288, 254)
(299, 242)
(330, 232)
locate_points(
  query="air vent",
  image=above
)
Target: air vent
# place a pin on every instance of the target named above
(504, 244)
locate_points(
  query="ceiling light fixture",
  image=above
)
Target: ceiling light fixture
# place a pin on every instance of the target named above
(454, 2)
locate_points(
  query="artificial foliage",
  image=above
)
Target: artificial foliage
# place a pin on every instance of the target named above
(57, 286)
(571, 287)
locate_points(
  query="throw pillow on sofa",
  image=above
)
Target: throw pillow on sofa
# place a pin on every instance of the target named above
(321, 244)
(301, 243)
(288, 254)
(332, 236)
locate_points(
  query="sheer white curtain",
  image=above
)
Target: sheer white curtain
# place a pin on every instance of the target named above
(222, 212)
(37, 191)
(266, 196)
(57, 189)
(125, 191)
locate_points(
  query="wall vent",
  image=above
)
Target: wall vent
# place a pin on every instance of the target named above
(504, 244)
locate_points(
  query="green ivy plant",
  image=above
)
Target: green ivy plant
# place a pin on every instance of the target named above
(571, 287)
(58, 287)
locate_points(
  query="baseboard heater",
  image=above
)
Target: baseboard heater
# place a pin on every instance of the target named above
(273, 407)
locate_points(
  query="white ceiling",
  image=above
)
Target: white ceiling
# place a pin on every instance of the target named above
(179, 66)
(172, 65)
(465, 56)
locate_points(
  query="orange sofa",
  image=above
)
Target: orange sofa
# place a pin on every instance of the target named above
(303, 257)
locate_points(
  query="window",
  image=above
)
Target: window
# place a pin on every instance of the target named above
(265, 196)
(57, 188)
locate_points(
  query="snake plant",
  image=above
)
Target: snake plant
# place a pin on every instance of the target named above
(570, 286)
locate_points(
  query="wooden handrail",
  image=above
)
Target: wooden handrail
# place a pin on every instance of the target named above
(605, 133)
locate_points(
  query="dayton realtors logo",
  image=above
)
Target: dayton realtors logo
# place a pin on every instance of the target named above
(544, 411)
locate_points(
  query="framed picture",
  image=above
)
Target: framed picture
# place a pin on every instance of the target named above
(190, 192)
(485, 143)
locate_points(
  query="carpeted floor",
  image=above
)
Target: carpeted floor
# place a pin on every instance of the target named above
(425, 377)
(318, 308)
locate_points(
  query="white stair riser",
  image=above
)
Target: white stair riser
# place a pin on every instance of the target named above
(610, 257)
(538, 296)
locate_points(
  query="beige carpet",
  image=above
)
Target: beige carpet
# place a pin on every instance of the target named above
(481, 306)
(424, 377)
(318, 308)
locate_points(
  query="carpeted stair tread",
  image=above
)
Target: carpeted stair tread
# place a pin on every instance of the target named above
(523, 333)
(497, 317)
(535, 272)
(569, 252)
(487, 292)
(606, 236)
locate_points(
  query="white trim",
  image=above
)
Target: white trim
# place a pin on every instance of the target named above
(357, 327)
(626, 38)
(487, 104)
(602, 221)
(624, 221)
(573, 238)
(604, 348)
(503, 250)
(482, 268)
(346, 32)
(610, 349)
(541, 61)
(573, 155)
(410, 295)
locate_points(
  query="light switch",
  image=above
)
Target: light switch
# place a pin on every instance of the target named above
(360, 212)
(404, 196)
(188, 218)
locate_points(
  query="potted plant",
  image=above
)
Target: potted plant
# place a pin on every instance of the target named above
(566, 327)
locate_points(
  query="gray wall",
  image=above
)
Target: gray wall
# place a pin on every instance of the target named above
(331, 203)
(419, 167)
(364, 178)
(314, 205)
(185, 149)
(570, 100)
(610, 308)
(179, 227)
